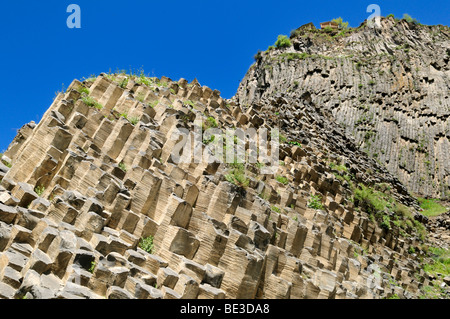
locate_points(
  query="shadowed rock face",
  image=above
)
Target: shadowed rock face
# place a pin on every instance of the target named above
(81, 190)
(388, 88)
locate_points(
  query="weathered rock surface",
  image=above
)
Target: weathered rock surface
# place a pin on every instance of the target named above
(388, 88)
(96, 176)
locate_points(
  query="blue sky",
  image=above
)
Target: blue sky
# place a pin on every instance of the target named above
(213, 41)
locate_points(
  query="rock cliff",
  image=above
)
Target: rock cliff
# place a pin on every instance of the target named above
(92, 204)
(387, 87)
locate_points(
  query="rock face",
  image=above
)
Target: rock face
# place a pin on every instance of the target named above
(388, 87)
(92, 204)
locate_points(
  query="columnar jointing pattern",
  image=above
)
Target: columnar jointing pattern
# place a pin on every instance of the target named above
(388, 87)
(102, 167)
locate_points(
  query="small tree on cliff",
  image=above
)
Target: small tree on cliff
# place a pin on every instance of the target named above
(342, 25)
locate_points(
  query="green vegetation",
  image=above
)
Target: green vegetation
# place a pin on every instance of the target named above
(146, 244)
(123, 167)
(258, 55)
(372, 201)
(237, 175)
(39, 190)
(7, 164)
(263, 196)
(283, 180)
(276, 209)
(439, 266)
(142, 79)
(294, 33)
(404, 211)
(440, 263)
(344, 177)
(315, 202)
(339, 168)
(211, 122)
(295, 56)
(358, 250)
(123, 84)
(431, 207)
(381, 206)
(163, 84)
(111, 76)
(92, 268)
(91, 78)
(328, 29)
(433, 291)
(410, 19)
(302, 56)
(190, 103)
(369, 135)
(134, 120)
(210, 140)
(124, 115)
(260, 165)
(140, 97)
(421, 230)
(359, 64)
(295, 143)
(283, 138)
(153, 104)
(392, 281)
(282, 42)
(90, 101)
(386, 222)
(342, 25)
(84, 90)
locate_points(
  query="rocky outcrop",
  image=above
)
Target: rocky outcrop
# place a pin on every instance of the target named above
(439, 228)
(92, 204)
(387, 87)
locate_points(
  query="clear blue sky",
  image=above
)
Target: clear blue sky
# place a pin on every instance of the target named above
(213, 41)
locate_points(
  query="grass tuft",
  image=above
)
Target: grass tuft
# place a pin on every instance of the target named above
(315, 202)
(146, 244)
(283, 42)
(282, 179)
(90, 101)
(237, 175)
(431, 207)
(39, 190)
(123, 167)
